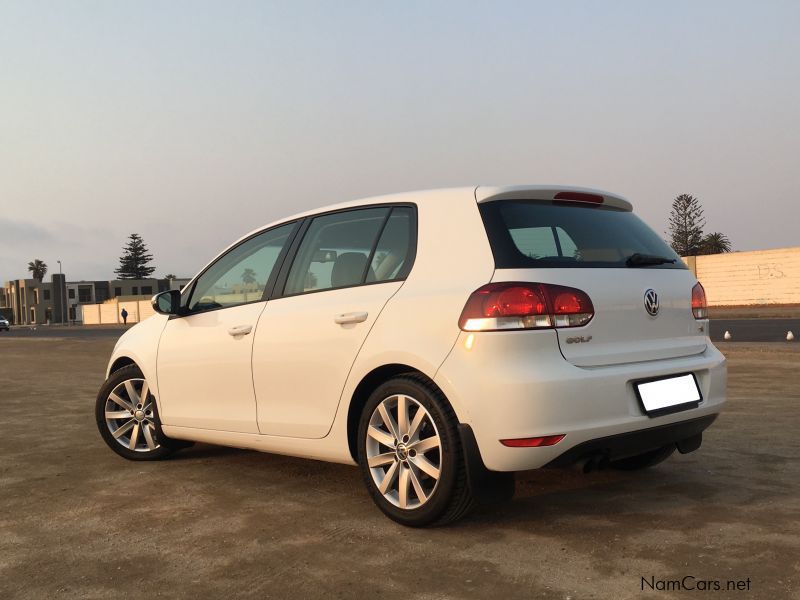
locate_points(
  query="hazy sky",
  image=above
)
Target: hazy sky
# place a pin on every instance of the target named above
(193, 122)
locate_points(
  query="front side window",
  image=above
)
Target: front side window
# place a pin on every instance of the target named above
(241, 275)
(336, 251)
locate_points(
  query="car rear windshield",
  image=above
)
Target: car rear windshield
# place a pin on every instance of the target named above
(537, 234)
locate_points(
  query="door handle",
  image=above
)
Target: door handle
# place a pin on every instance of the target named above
(351, 317)
(240, 330)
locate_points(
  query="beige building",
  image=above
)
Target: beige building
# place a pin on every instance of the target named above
(30, 301)
(34, 302)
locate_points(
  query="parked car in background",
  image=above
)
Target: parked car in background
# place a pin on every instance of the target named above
(4, 324)
(440, 340)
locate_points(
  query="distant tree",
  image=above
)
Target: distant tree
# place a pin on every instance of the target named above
(133, 264)
(686, 222)
(170, 276)
(248, 276)
(38, 269)
(715, 243)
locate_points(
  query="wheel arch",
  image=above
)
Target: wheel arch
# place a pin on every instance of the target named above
(119, 363)
(127, 357)
(368, 384)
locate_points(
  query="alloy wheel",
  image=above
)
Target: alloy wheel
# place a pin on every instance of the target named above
(130, 417)
(404, 451)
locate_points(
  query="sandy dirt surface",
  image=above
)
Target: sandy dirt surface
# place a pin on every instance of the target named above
(77, 521)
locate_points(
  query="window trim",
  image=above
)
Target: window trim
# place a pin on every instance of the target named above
(402, 275)
(188, 291)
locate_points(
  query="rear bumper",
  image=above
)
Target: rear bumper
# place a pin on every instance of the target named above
(509, 385)
(636, 442)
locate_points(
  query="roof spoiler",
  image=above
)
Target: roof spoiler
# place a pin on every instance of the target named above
(558, 193)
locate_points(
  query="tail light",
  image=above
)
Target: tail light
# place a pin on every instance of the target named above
(699, 306)
(517, 305)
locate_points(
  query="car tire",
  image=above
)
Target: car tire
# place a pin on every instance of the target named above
(643, 461)
(129, 424)
(413, 465)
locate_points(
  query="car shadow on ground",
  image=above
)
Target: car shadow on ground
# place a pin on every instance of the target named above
(203, 451)
(681, 486)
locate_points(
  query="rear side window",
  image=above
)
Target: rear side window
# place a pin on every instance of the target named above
(535, 234)
(393, 254)
(353, 247)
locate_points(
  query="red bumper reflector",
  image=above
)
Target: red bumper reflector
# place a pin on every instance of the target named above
(537, 442)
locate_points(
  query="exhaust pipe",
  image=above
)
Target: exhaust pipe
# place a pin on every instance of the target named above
(588, 464)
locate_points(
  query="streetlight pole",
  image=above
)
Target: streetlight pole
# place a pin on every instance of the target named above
(63, 295)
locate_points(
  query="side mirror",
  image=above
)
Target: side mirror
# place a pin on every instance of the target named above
(167, 303)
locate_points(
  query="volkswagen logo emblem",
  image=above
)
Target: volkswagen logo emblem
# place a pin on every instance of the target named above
(651, 302)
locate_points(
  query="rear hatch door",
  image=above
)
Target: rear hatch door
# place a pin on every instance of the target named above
(622, 330)
(597, 245)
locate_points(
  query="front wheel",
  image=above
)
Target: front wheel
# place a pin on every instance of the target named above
(410, 453)
(127, 417)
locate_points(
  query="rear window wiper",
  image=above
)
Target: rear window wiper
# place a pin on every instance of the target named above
(643, 260)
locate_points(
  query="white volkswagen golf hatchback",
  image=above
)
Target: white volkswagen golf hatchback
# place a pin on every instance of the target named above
(440, 340)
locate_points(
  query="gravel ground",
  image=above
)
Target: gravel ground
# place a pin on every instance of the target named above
(77, 521)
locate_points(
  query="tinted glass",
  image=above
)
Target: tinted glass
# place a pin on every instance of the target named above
(525, 234)
(393, 252)
(537, 242)
(241, 275)
(335, 251)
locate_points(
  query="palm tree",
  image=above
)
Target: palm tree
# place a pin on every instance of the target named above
(248, 278)
(715, 243)
(38, 269)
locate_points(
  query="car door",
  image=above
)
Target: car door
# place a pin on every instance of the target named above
(345, 269)
(203, 365)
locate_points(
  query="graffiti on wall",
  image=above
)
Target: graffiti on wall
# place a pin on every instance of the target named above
(770, 271)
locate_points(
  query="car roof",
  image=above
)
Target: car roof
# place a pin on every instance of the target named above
(481, 193)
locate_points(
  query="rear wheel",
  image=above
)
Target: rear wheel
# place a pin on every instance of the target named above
(410, 453)
(643, 461)
(127, 418)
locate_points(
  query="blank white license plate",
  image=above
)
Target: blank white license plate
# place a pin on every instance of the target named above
(669, 394)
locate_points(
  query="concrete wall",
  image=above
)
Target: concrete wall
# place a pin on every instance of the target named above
(761, 277)
(108, 313)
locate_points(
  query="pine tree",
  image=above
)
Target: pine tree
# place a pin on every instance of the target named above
(133, 262)
(686, 222)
